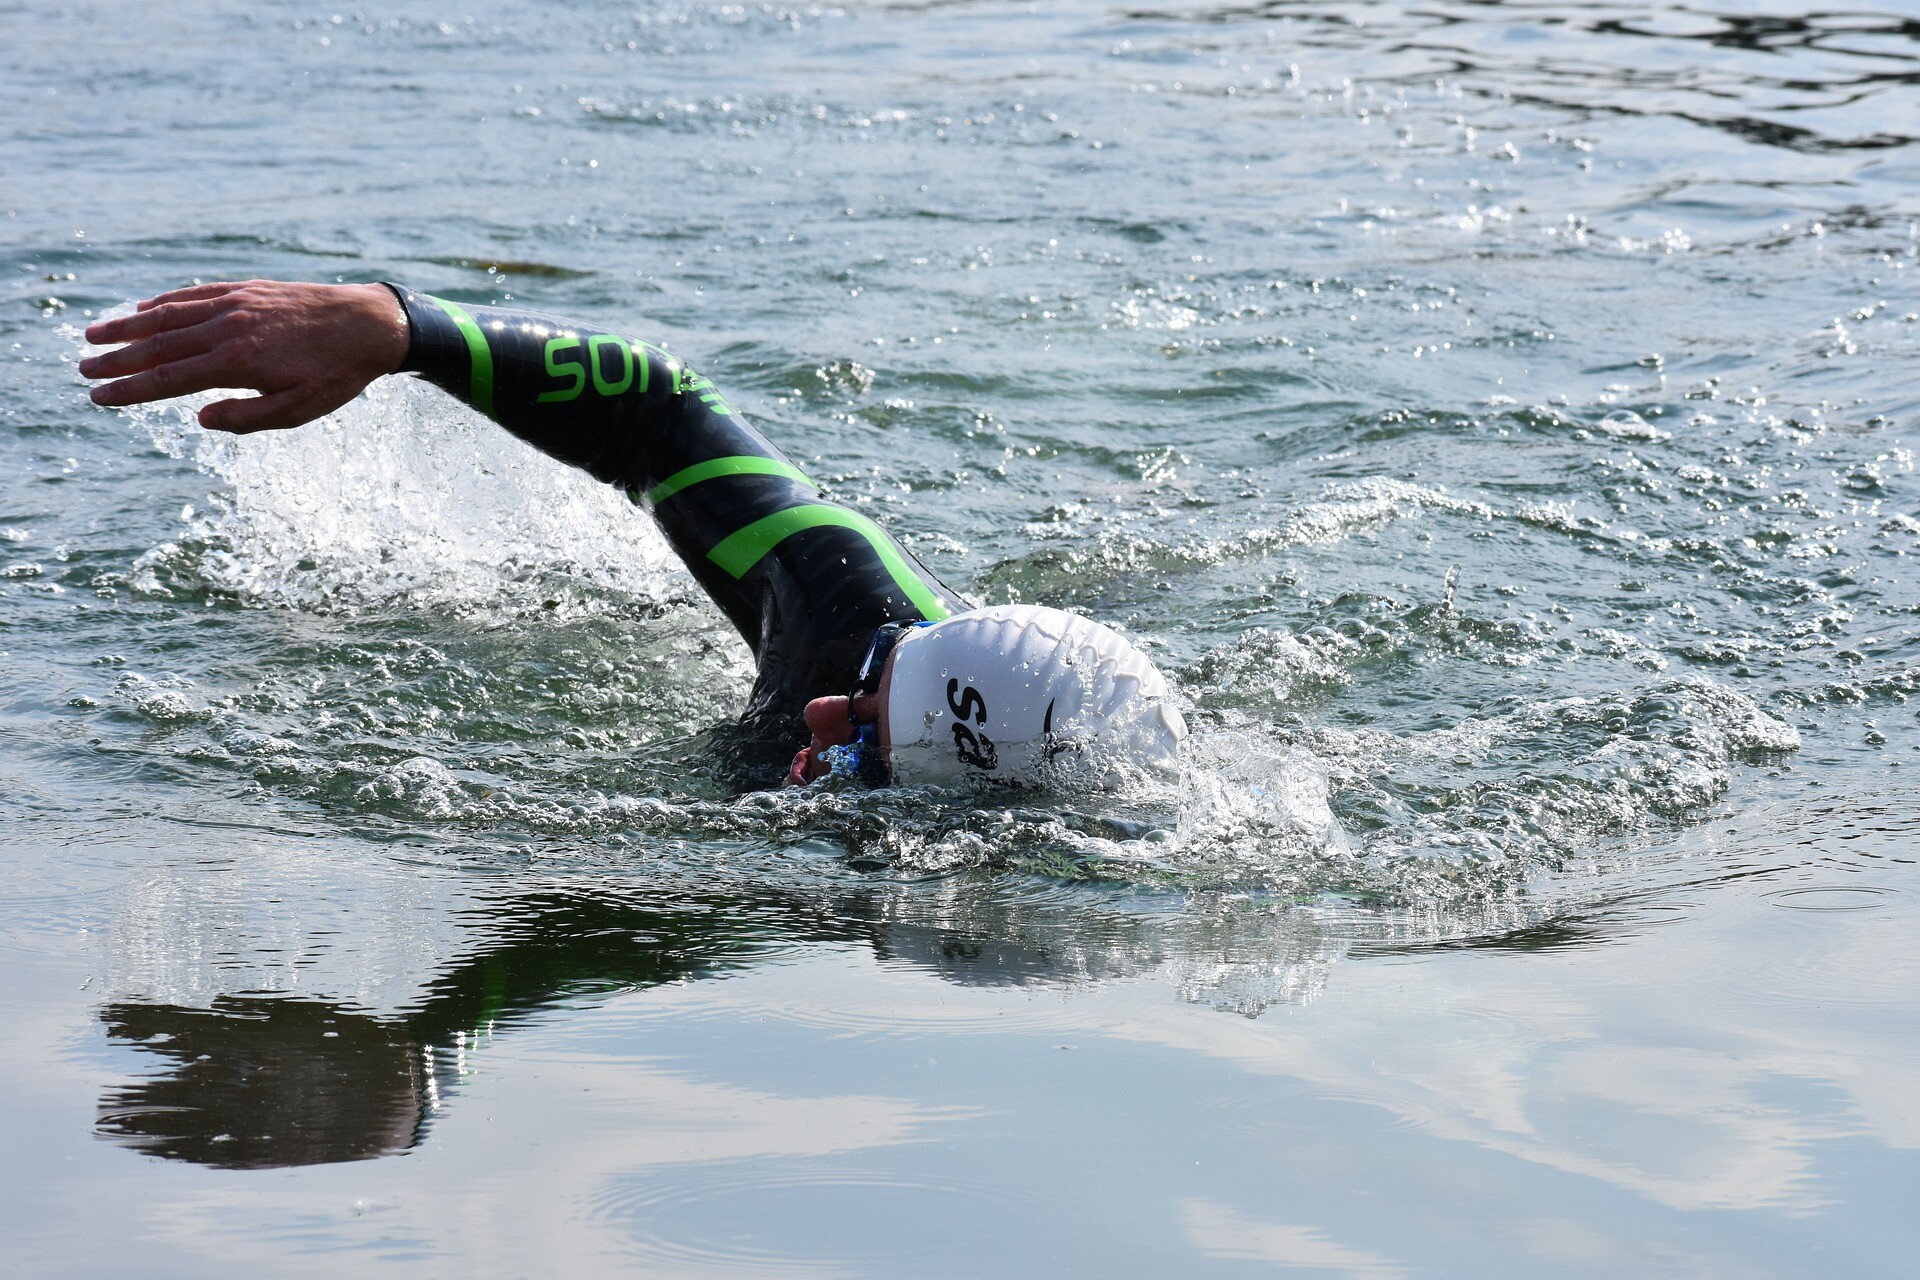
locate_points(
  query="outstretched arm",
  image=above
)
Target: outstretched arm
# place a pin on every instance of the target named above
(306, 348)
(804, 579)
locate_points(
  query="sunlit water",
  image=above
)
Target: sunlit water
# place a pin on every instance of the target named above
(1498, 420)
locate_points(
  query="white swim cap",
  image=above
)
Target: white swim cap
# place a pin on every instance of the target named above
(1018, 693)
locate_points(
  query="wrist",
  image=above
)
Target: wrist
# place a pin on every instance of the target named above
(389, 330)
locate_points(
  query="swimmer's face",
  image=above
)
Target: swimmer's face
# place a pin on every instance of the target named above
(831, 726)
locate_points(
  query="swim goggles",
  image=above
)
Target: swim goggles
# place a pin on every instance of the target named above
(859, 757)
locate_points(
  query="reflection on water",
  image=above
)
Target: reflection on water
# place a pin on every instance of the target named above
(1654, 1090)
(251, 1080)
(256, 1080)
(262, 1082)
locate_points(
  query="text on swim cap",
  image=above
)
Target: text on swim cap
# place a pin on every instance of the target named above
(973, 749)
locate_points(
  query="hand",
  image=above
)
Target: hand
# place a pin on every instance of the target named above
(307, 348)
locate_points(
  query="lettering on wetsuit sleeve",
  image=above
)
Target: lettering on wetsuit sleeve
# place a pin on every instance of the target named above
(703, 387)
(568, 362)
(605, 385)
(614, 365)
(558, 368)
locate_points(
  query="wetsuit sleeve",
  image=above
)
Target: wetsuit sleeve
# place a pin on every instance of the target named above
(795, 572)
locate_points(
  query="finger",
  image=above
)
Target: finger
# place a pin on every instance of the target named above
(142, 324)
(192, 293)
(161, 348)
(276, 411)
(180, 378)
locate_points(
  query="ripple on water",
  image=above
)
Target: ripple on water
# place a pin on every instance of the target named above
(1835, 897)
(661, 1214)
(1841, 949)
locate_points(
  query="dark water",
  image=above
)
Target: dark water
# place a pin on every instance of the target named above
(1499, 420)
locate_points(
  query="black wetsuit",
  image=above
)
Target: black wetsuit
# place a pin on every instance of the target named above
(805, 580)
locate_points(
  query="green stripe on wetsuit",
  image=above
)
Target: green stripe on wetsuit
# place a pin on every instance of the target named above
(740, 551)
(482, 389)
(714, 468)
(744, 548)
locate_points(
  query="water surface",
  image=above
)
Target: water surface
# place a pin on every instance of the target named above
(1497, 419)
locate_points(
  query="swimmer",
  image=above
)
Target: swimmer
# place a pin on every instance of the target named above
(889, 674)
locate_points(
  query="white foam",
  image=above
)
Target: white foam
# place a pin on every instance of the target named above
(1265, 801)
(1355, 506)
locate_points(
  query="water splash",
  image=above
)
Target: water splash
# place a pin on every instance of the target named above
(401, 498)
